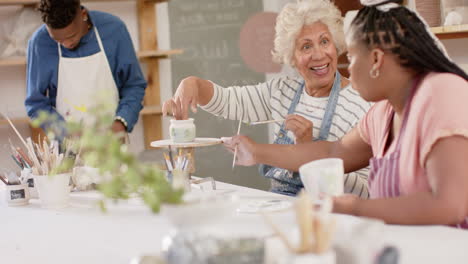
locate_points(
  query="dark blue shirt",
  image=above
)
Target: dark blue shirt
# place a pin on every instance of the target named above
(43, 61)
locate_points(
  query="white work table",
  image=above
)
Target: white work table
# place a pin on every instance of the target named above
(81, 233)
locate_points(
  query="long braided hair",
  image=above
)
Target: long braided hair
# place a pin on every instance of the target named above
(402, 32)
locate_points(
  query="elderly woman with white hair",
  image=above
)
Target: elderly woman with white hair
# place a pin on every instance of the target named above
(319, 105)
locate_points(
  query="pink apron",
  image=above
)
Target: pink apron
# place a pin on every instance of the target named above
(384, 176)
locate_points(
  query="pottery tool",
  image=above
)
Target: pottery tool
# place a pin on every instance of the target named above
(235, 151)
(266, 122)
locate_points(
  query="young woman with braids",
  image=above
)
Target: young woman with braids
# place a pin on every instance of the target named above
(415, 137)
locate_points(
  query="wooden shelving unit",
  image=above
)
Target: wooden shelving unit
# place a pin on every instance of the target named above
(16, 61)
(158, 54)
(451, 32)
(142, 55)
(147, 29)
(151, 110)
(16, 121)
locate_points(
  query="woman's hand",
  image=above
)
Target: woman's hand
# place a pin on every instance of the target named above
(300, 126)
(185, 96)
(345, 204)
(245, 149)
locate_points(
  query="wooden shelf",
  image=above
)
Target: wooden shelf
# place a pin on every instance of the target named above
(15, 61)
(34, 2)
(16, 121)
(158, 54)
(451, 32)
(151, 110)
(18, 2)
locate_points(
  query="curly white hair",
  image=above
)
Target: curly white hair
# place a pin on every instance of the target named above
(294, 16)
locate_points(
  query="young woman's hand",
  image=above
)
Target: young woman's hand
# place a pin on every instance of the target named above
(345, 204)
(245, 149)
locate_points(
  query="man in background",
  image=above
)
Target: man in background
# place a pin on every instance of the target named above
(78, 55)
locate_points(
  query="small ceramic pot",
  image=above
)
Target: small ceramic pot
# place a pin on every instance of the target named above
(182, 130)
(17, 194)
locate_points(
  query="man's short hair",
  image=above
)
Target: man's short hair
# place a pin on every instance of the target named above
(58, 14)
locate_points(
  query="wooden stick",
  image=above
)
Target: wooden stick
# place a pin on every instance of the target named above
(278, 232)
(32, 154)
(235, 151)
(304, 218)
(266, 122)
(14, 128)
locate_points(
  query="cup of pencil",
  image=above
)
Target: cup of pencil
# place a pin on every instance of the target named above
(181, 180)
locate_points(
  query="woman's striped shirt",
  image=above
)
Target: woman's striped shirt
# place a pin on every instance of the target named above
(271, 100)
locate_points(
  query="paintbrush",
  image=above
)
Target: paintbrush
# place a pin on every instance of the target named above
(235, 151)
(14, 128)
(24, 156)
(170, 156)
(18, 162)
(266, 122)
(13, 149)
(168, 162)
(4, 180)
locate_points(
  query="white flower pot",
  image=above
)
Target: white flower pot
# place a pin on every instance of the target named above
(54, 191)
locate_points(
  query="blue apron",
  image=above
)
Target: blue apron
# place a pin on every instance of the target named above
(284, 181)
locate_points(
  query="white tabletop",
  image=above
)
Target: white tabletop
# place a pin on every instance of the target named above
(81, 233)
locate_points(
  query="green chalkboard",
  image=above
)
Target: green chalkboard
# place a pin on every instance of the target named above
(208, 32)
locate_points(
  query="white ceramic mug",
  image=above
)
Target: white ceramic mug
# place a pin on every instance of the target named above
(323, 177)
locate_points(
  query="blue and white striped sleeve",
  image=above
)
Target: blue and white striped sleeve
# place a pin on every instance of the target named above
(250, 103)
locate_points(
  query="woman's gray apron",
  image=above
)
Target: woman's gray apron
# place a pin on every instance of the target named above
(284, 181)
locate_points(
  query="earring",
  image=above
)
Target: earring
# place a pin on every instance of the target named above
(374, 73)
(85, 19)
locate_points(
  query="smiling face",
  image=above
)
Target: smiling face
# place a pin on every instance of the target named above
(70, 36)
(315, 56)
